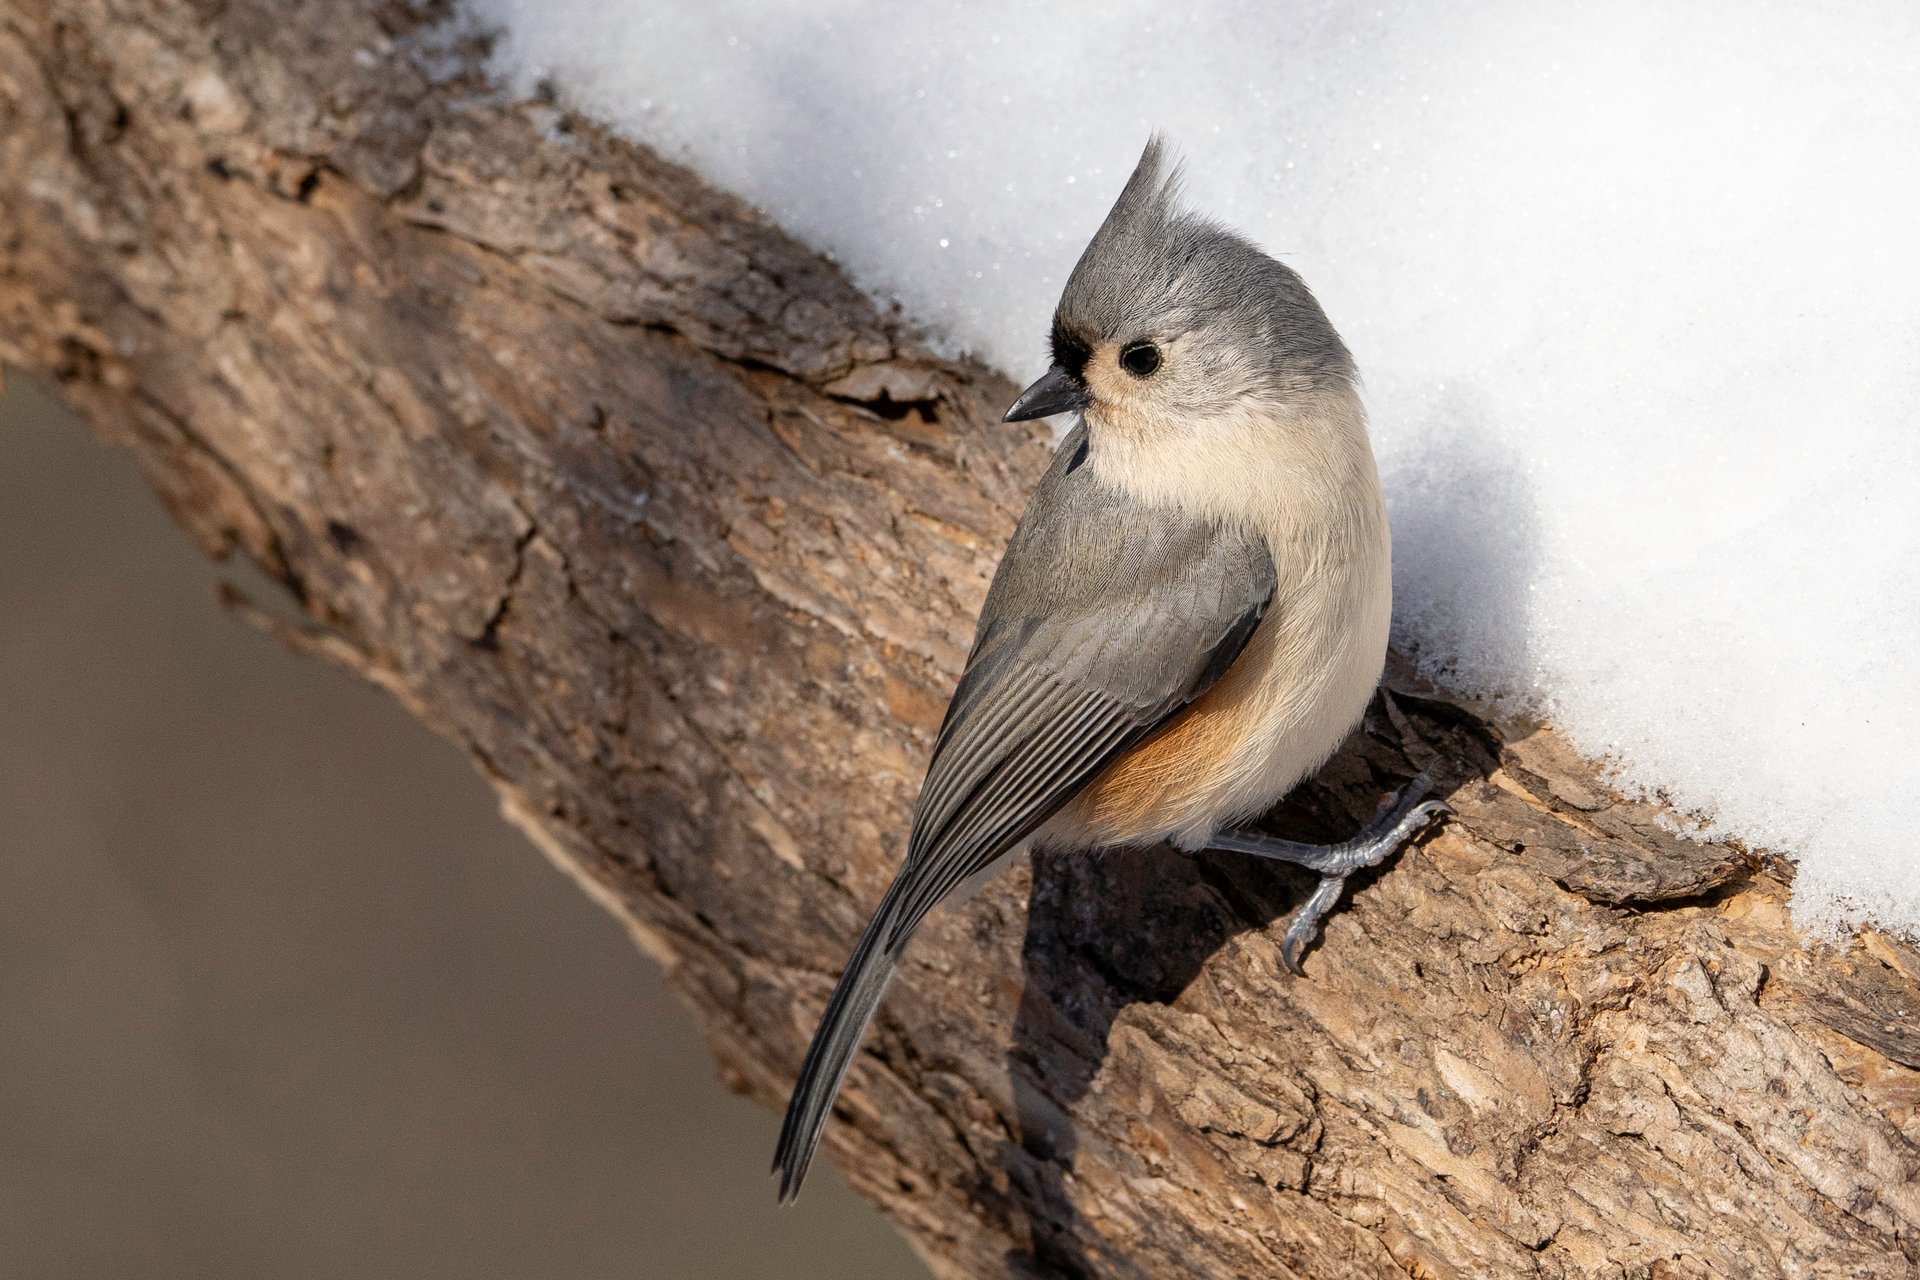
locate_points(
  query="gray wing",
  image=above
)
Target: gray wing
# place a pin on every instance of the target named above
(1103, 620)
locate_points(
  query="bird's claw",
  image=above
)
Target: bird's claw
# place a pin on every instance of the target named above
(1304, 927)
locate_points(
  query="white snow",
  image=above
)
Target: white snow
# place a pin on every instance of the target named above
(1636, 293)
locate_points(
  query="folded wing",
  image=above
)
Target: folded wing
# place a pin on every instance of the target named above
(1103, 621)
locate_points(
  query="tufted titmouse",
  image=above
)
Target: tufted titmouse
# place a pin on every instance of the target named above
(1192, 613)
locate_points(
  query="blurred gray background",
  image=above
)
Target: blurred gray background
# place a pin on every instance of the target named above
(280, 993)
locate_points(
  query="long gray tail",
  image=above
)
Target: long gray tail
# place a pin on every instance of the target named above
(841, 1026)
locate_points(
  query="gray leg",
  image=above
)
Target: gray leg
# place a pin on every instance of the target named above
(1401, 818)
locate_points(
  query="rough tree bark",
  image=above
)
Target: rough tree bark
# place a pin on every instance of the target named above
(681, 539)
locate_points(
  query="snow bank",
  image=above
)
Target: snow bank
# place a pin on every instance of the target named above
(1636, 295)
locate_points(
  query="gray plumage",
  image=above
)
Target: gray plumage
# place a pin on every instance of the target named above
(1211, 530)
(1156, 270)
(1102, 620)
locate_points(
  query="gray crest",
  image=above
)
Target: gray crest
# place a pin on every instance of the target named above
(1156, 270)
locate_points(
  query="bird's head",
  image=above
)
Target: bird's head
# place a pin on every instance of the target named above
(1170, 320)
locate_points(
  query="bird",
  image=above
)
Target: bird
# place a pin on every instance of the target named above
(1190, 616)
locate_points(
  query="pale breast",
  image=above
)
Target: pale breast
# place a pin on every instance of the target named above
(1281, 709)
(1304, 476)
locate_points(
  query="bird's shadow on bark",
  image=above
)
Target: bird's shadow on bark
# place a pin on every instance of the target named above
(1122, 927)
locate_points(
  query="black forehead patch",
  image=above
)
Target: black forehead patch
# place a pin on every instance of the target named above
(1070, 351)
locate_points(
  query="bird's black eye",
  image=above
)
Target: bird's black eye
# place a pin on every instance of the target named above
(1140, 358)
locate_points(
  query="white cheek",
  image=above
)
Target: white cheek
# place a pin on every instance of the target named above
(1185, 389)
(1271, 466)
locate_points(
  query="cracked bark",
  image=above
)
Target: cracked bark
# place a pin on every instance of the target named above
(682, 539)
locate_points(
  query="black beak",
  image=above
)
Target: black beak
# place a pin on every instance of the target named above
(1057, 392)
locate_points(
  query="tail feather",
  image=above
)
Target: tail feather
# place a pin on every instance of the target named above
(841, 1027)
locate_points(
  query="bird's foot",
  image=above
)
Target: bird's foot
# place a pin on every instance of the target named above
(1402, 817)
